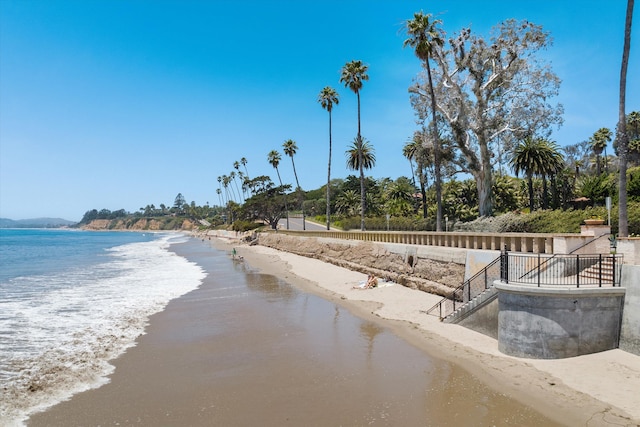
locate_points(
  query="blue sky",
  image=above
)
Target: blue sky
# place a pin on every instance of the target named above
(119, 104)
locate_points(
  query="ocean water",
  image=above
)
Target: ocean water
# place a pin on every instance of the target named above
(70, 301)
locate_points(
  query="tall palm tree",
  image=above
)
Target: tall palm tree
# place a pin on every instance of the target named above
(274, 160)
(232, 176)
(220, 186)
(425, 38)
(409, 152)
(290, 149)
(243, 162)
(219, 191)
(352, 75)
(327, 98)
(623, 220)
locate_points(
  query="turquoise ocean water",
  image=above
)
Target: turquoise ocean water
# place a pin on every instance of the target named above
(70, 301)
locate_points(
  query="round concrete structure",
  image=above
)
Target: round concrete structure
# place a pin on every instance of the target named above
(555, 323)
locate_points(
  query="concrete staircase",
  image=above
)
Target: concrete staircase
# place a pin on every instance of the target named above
(475, 304)
(591, 275)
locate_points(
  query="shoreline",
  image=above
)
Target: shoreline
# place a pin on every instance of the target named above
(595, 389)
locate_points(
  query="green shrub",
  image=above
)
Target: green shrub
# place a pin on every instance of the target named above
(242, 225)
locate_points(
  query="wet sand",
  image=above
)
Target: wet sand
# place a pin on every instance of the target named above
(260, 343)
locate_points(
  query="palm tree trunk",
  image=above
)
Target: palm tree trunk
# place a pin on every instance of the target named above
(530, 186)
(623, 144)
(299, 193)
(329, 179)
(436, 153)
(362, 199)
(284, 196)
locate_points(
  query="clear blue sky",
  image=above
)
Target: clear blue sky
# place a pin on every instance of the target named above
(118, 104)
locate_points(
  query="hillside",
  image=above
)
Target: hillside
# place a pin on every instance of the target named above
(35, 223)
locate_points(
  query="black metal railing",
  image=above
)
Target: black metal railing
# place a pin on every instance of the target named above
(469, 290)
(567, 270)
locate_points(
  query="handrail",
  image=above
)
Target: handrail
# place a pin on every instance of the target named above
(460, 289)
(570, 252)
(570, 270)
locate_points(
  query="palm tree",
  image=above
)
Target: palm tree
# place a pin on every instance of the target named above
(353, 74)
(347, 203)
(290, 149)
(623, 220)
(274, 160)
(425, 37)
(552, 165)
(599, 142)
(399, 196)
(220, 186)
(409, 153)
(232, 176)
(360, 156)
(536, 156)
(415, 150)
(327, 98)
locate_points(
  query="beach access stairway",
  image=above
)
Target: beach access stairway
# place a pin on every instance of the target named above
(567, 270)
(475, 292)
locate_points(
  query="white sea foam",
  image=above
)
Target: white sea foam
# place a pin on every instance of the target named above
(58, 342)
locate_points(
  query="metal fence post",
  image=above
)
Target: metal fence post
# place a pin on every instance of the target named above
(538, 270)
(578, 271)
(505, 265)
(599, 270)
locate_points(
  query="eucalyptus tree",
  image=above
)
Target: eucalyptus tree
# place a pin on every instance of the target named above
(274, 158)
(290, 148)
(327, 98)
(425, 37)
(487, 89)
(598, 142)
(352, 75)
(623, 220)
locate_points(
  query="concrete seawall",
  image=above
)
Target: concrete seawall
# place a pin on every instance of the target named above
(546, 323)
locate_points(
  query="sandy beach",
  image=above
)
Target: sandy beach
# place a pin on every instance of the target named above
(596, 389)
(177, 375)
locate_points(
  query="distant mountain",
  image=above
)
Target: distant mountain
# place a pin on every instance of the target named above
(35, 223)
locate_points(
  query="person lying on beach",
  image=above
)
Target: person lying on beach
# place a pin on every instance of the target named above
(371, 282)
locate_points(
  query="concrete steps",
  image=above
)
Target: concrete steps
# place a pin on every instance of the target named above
(591, 274)
(465, 309)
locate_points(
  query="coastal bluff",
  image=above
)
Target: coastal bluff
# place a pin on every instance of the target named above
(140, 224)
